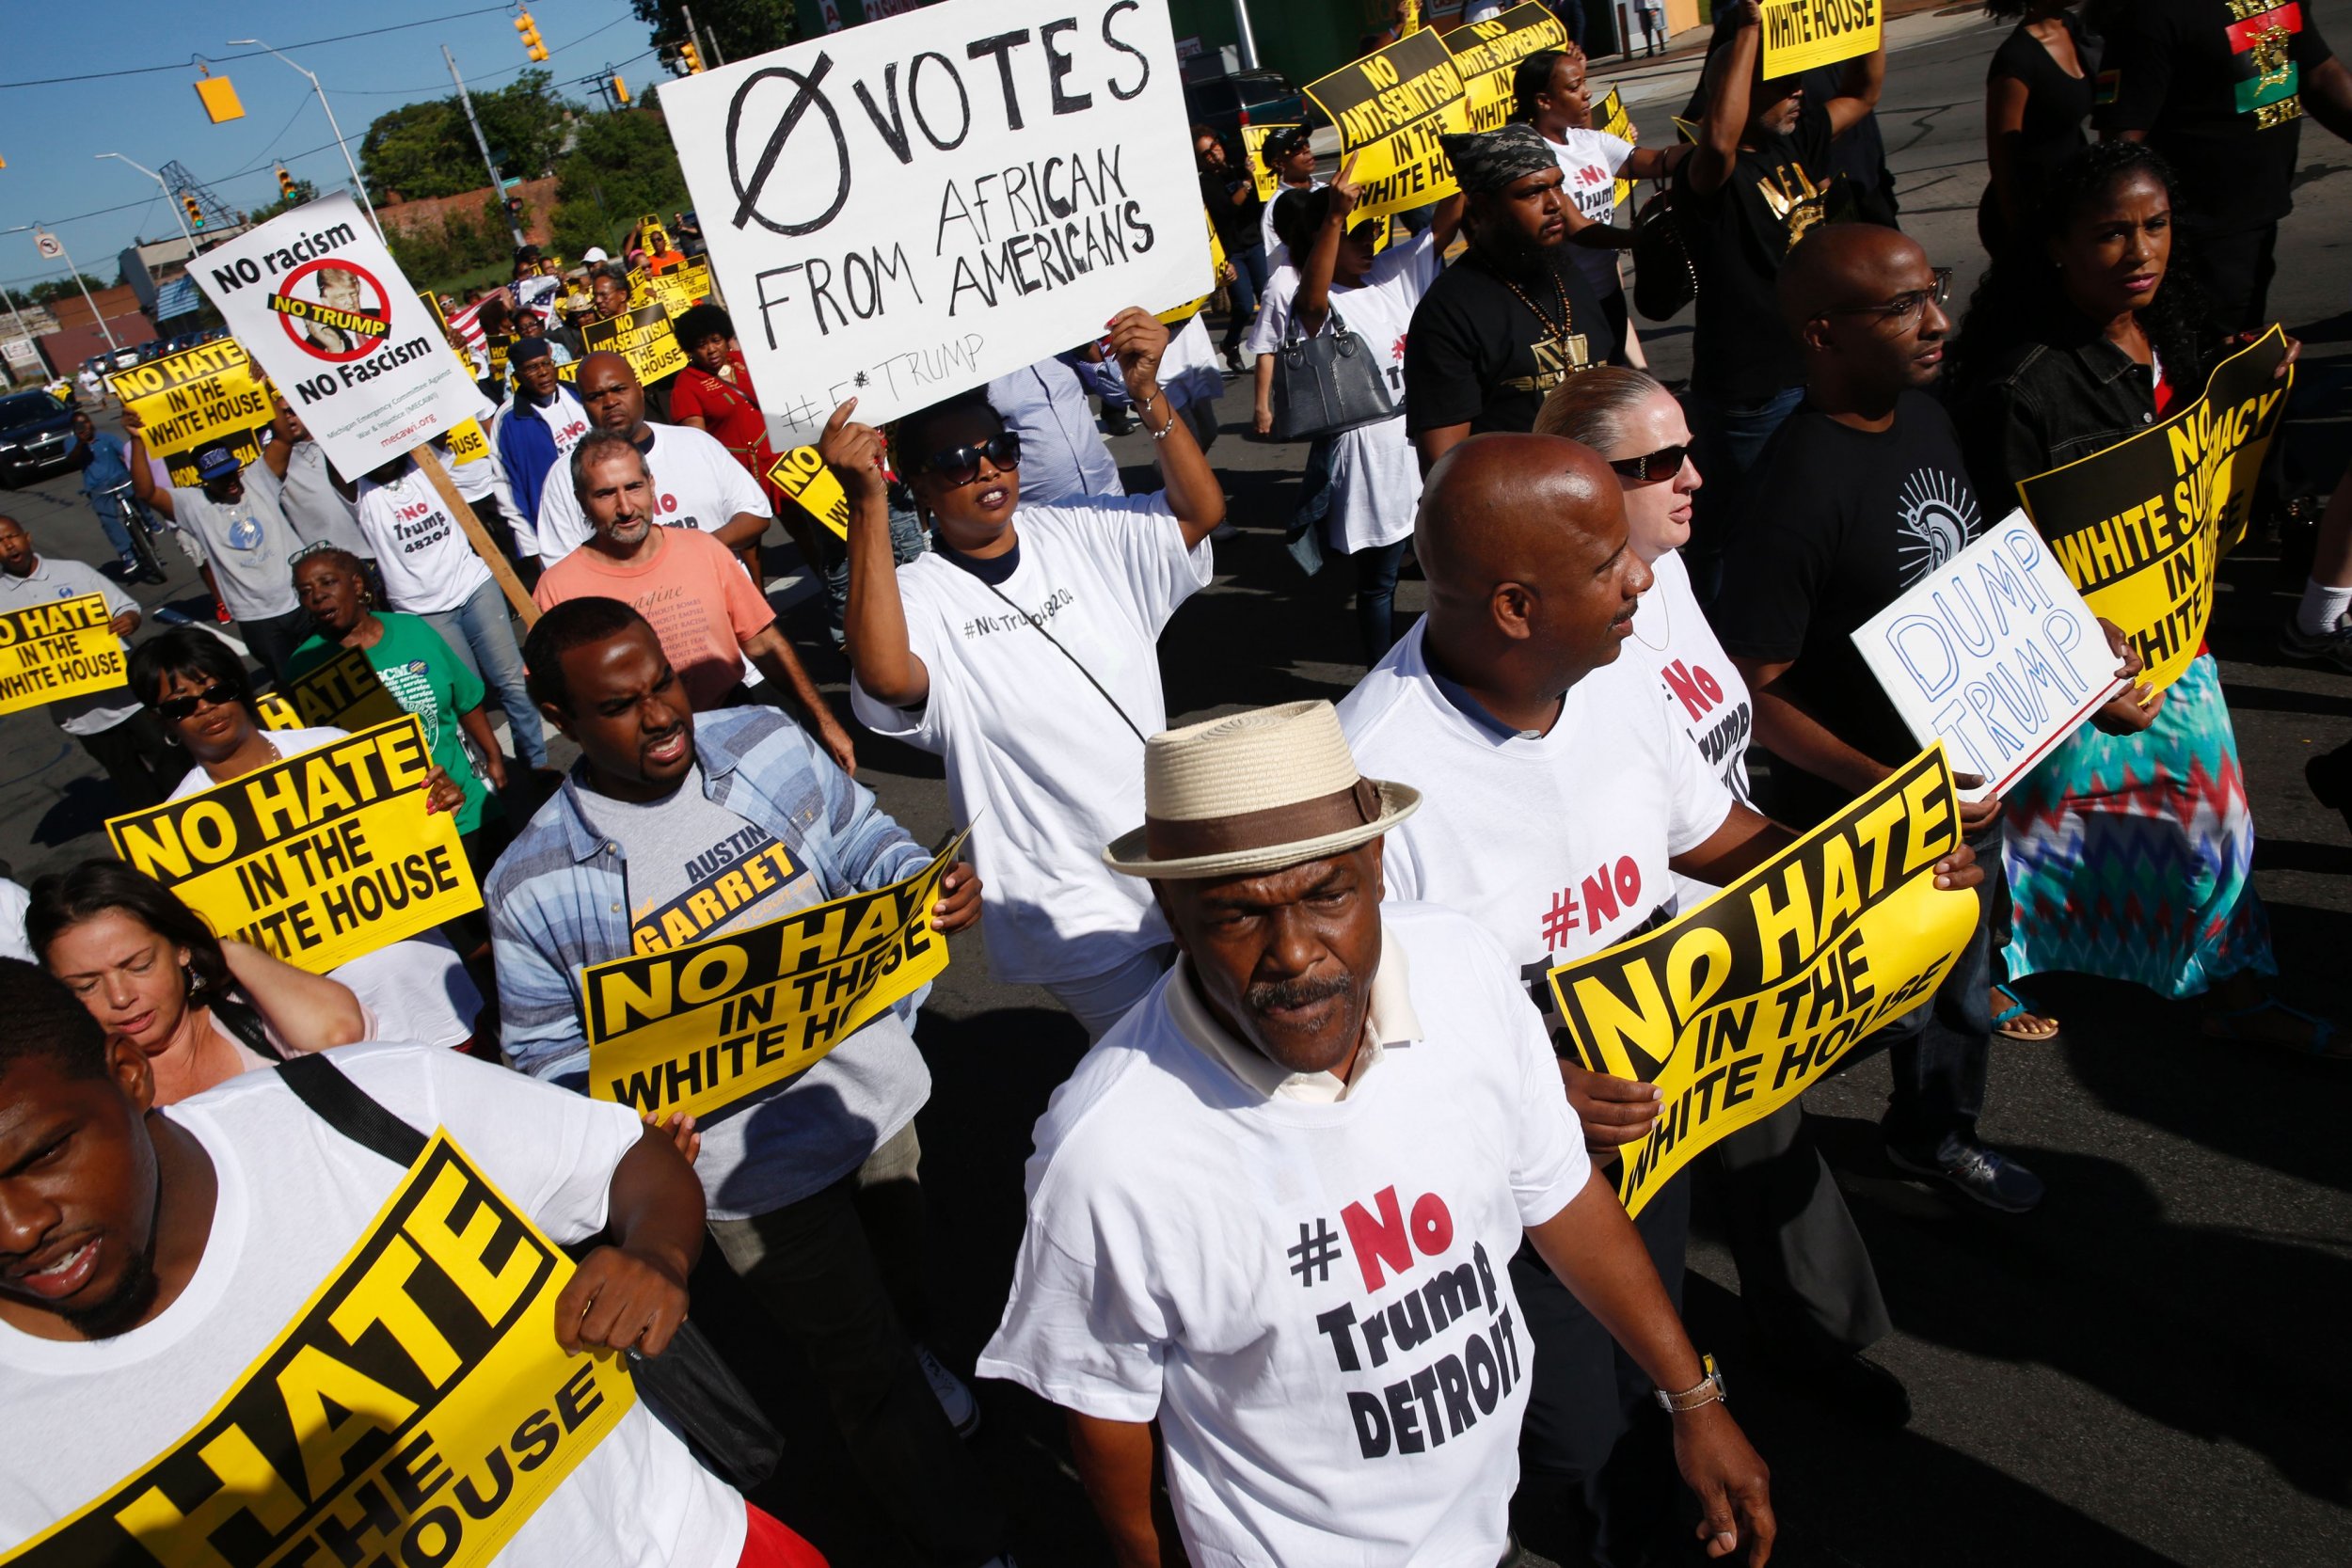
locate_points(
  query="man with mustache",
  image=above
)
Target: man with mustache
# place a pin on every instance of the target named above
(672, 827)
(1568, 805)
(1273, 1209)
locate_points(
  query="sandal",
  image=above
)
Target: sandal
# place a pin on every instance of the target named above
(2019, 1008)
(2322, 1042)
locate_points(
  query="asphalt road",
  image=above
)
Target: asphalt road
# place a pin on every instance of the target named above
(2141, 1372)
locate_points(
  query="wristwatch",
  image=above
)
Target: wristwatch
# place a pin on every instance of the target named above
(1708, 1390)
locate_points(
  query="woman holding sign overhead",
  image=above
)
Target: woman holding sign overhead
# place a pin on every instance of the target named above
(417, 989)
(2130, 855)
(149, 970)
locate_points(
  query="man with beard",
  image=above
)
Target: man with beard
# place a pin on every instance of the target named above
(206, 1229)
(1271, 1209)
(1515, 317)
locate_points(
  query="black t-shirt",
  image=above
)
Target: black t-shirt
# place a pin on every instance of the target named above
(1741, 352)
(2217, 87)
(2057, 104)
(1236, 225)
(1837, 522)
(1478, 355)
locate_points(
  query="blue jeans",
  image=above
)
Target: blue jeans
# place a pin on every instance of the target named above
(1375, 596)
(1727, 439)
(1250, 275)
(485, 638)
(110, 518)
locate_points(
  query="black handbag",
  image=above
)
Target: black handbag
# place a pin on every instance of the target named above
(1663, 278)
(1327, 383)
(687, 1386)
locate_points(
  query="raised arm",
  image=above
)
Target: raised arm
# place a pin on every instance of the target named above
(143, 486)
(1313, 304)
(780, 665)
(1858, 94)
(1731, 78)
(1137, 339)
(875, 621)
(309, 1012)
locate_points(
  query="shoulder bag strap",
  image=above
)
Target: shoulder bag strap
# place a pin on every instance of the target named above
(350, 1110)
(1037, 621)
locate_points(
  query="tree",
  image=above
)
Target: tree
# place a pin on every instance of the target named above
(621, 167)
(740, 28)
(427, 149)
(49, 290)
(304, 192)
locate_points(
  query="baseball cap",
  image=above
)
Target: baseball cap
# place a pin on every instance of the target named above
(1288, 140)
(217, 463)
(594, 253)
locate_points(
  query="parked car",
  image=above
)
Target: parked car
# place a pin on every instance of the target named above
(1225, 103)
(36, 434)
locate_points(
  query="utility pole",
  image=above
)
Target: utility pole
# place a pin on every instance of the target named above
(177, 212)
(498, 190)
(1246, 41)
(709, 41)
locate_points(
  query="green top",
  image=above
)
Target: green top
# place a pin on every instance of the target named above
(427, 679)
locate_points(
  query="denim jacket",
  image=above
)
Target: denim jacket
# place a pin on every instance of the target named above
(2052, 403)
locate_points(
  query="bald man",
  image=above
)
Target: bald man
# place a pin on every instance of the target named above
(1862, 493)
(1558, 803)
(697, 482)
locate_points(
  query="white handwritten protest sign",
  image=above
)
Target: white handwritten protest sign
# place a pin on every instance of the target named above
(319, 302)
(904, 210)
(1994, 652)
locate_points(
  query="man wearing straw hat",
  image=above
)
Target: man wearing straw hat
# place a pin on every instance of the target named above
(1274, 1208)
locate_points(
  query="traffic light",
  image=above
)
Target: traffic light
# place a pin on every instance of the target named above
(194, 207)
(620, 90)
(691, 56)
(530, 31)
(285, 182)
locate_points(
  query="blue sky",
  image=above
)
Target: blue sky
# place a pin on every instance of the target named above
(50, 133)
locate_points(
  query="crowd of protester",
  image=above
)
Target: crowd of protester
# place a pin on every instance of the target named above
(1306, 944)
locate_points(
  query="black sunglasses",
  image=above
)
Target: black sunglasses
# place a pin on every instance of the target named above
(962, 464)
(1664, 462)
(179, 708)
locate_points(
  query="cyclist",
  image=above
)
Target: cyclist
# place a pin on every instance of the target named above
(107, 480)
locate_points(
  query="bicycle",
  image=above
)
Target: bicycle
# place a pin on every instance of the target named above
(137, 528)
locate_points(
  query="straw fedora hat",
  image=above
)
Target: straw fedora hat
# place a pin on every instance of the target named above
(1254, 791)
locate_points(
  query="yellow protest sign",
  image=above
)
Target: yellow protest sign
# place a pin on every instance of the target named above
(429, 1352)
(200, 397)
(1610, 116)
(1182, 313)
(1802, 34)
(699, 1026)
(1253, 140)
(319, 858)
(2140, 526)
(1391, 107)
(805, 480)
(67, 648)
(642, 336)
(344, 693)
(1487, 55)
(680, 291)
(467, 444)
(1734, 1008)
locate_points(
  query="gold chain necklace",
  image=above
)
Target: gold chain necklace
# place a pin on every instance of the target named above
(1561, 332)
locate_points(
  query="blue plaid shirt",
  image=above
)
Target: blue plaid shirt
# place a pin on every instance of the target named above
(559, 902)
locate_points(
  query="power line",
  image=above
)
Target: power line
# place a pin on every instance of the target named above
(251, 53)
(487, 75)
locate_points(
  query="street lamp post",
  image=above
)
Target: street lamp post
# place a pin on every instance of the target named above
(176, 212)
(42, 236)
(356, 181)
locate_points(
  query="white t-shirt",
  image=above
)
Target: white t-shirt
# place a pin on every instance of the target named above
(1276, 253)
(1376, 473)
(293, 1195)
(697, 482)
(1704, 696)
(1556, 844)
(1037, 762)
(1266, 332)
(1589, 160)
(14, 900)
(417, 989)
(249, 544)
(1314, 1299)
(429, 565)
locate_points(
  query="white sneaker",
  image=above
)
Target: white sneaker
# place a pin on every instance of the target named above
(962, 1408)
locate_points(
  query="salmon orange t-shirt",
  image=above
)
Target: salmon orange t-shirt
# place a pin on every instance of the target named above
(693, 592)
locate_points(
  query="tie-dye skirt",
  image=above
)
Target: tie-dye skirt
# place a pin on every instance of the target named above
(2131, 856)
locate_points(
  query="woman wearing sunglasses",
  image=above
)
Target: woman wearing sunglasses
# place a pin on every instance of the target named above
(1638, 428)
(1024, 649)
(148, 969)
(417, 989)
(2130, 854)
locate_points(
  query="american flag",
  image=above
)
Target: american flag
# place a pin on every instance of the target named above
(467, 323)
